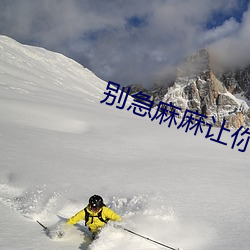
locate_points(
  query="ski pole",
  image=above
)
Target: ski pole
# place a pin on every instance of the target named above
(146, 238)
(45, 228)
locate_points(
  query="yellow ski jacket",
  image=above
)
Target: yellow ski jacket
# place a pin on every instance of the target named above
(94, 223)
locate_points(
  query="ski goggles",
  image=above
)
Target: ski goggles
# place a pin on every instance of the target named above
(94, 208)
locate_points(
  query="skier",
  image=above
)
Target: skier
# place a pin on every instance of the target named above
(95, 214)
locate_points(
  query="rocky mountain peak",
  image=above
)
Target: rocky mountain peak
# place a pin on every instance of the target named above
(237, 81)
(197, 87)
(197, 64)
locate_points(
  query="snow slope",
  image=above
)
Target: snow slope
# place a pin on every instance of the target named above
(59, 145)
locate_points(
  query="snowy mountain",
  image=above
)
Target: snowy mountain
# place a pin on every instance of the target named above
(60, 145)
(237, 81)
(198, 87)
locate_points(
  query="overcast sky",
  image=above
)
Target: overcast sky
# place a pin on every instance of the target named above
(131, 41)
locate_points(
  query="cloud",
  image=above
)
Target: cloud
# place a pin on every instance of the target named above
(233, 49)
(124, 41)
(228, 28)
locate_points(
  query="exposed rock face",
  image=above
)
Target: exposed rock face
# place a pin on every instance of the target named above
(196, 87)
(237, 81)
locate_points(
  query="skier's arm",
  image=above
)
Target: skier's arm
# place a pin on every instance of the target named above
(77, 217)
(110, 214)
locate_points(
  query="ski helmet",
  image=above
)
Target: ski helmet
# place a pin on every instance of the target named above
(95, 202)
